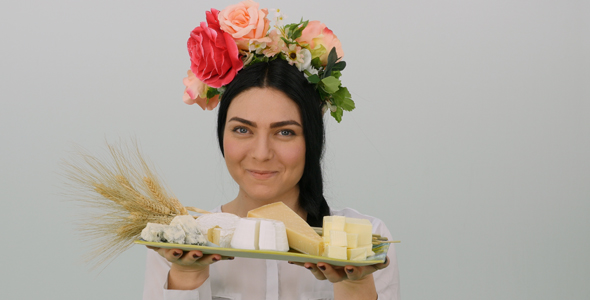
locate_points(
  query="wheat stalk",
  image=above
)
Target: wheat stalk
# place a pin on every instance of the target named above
(125, 194)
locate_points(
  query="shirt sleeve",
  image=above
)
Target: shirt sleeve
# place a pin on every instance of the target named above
(156, 282)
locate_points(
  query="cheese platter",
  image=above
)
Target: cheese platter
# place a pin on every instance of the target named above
(294, 256)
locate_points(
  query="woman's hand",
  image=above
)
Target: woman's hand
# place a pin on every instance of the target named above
(189, 269)
(350, 282)
(324, 271)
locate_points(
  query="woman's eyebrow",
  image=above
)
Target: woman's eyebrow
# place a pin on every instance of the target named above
(284, 123)
(249, 123)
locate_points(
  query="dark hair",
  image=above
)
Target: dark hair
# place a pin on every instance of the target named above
(278, 74)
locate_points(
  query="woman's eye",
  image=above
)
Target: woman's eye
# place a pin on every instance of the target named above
(286, 132)
(241, 130)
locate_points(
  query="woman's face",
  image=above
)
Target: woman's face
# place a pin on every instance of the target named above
(264, 145)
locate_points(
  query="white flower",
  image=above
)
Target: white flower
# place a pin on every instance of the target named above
(279, 17)
(306, 55)
(256, 46)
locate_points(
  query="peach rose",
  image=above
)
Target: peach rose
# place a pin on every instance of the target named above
(196, 92)
(245, 22)
(316, 34)
(214, 55)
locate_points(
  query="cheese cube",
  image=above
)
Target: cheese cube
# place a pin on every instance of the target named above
(272, 236)
(356, 254)
(214, 235)
(338, 238)
(332, 223)
(300, 235)
(335, 252)
(362, 227)
(246, 234)
(369, 250)
(352, 239)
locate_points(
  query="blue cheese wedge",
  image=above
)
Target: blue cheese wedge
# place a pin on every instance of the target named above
(193, 236)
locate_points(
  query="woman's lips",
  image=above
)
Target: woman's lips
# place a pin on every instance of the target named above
(257, 174)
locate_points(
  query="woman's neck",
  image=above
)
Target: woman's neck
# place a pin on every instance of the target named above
(243, 203)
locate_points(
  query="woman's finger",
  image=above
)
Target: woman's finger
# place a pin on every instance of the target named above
(354, 273)
(315, 271)
(332, 274)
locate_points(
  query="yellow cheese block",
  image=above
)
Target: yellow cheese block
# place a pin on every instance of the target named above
(214, 234)
(332, 223)
(338, 238)
(300, 235)
(356, 254)
(352, 240)
(335, 252)
(369, 250)
(362, 227)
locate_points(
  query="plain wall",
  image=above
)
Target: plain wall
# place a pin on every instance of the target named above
(471, 137)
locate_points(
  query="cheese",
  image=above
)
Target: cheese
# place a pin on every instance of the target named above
(369, 250)
(153, 232)
(332, 223)
(352, 239)
(338, 252)
(338, 238)
(193, 235)
(226, 221)
(300, 235)
(356, 254)
(272, 236)
(362, 227)
(246, 234)
(214, 235)
(173, 234)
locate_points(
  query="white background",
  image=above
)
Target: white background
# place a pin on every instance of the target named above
(471, 137)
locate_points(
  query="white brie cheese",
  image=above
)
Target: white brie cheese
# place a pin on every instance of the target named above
(226, 221)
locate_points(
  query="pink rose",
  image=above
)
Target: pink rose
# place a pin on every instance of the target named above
(316, 34)
(214, 54)
(245, 23)
(196, 92)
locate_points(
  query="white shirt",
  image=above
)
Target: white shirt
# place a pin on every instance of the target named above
(257, 279)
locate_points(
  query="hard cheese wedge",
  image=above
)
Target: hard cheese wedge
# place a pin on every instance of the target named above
(300, 235)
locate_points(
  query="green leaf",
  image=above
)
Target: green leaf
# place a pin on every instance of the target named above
(288, 42)
(348, 104)
(313, 78)
(316, 63)
(342, 98)
(331, 84)
(332, 58)
(339, 66)
(336, 74)
(337, 114)
(211, 92)
(297, 32)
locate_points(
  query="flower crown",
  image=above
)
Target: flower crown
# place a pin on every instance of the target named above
(240, 36)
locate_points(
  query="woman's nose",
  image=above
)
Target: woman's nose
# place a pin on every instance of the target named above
(262, 148)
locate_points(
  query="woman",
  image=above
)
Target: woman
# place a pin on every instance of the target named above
(270, 130)
(271, 133)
